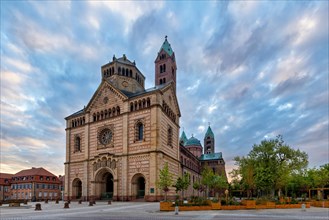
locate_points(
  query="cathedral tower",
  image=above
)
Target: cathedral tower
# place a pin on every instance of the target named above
(209, 142)
(165, 65)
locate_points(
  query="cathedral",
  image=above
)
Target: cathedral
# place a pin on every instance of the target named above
(118, 143)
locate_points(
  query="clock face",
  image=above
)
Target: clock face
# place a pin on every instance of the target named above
(105, 136)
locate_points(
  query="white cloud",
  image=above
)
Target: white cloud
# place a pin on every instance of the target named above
(128, 11)
(285, 106)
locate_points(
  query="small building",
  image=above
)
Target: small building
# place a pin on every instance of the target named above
(35, 184)
(5, 181)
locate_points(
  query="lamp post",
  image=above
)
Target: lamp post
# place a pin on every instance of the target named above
(226, 195)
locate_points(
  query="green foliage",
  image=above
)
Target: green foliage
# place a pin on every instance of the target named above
(195, 201)
(230, 202)
(213, 181)
(269, 166)
(182, 183)
(165, 179)
(319, 177)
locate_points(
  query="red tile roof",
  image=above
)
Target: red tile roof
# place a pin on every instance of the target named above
(34, 172)
(6, 175)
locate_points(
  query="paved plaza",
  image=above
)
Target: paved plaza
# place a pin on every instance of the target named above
(146, 211)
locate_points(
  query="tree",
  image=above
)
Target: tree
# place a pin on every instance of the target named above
(212, 181)
(219, 184)
(245, 174)
(182, 183)
(165, 179)
(269, 165)
(206, 178)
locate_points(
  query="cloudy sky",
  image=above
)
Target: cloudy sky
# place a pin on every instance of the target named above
(252, 69)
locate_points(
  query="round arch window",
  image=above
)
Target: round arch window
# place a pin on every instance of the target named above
(105, 136)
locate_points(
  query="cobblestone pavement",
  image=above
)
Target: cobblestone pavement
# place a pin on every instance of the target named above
(147, 211)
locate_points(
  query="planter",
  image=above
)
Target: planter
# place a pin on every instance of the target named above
(321, 204)
(166, 206)
(194, 208)
(261, 207)
(288, 206)
(270, 205)
(215, 206)
(250, 204)
(232, 207)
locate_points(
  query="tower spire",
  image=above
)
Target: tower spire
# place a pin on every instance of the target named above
(165, 65)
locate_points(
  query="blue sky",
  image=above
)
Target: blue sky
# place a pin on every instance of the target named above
(253, 69)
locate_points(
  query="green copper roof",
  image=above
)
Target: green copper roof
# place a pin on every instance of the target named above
(193, 142)
(209, 133)
(166, 47)
(212, 156)
(183, 138)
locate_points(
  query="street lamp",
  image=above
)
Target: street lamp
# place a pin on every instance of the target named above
(226, 194)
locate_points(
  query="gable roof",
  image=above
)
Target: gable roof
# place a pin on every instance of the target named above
(170, 85)
(6, 175)
(149, 90)
(94, 96)
(34, 172)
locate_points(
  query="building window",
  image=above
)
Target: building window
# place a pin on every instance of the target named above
(170, 134)
(77, 144)
(139, 131)
(148, 102)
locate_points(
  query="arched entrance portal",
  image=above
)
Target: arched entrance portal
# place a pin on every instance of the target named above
(104, 180)
(77, 189)
(140, 187)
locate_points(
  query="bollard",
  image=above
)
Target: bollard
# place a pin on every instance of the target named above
(69, 201)
(94, 202)
(176, 210)
(109, 202)
(56, 201)
(303, 207)
(46, 201)
(25, 202)
(37, 207)
(80, 201)
(91, 203)
(66, 205)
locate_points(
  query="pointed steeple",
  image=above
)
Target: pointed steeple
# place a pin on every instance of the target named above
(183, 139)
(209, 141)
(166, 47)
(209, 133)
(165, 65)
